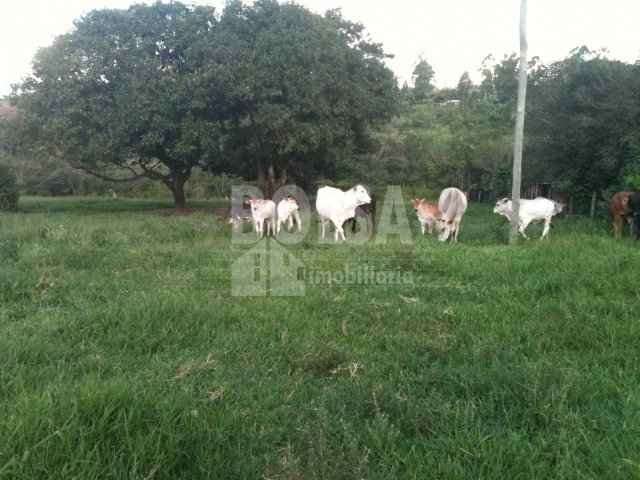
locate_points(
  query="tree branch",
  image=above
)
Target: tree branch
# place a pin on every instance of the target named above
(108, 178)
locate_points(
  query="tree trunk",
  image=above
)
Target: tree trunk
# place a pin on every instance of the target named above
(268, 181)
(176, 185)
(519, 130)
(592, 212)
(262, 178)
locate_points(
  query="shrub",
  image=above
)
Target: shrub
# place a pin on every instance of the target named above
(9, 193)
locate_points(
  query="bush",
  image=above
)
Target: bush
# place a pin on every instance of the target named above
(9, 193)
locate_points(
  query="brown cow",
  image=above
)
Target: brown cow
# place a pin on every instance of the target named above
(620, 212)
(428, 213)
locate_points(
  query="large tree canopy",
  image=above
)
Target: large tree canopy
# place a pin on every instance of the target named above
(584, 117)
(266, 90)
(124, 93)
(305, 88)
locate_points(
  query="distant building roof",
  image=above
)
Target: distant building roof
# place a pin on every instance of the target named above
(451, 102)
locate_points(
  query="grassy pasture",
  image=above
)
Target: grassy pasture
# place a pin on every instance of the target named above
(123, 354)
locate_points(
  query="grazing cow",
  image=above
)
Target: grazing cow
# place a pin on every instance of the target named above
(367, 212)
(538, 209)
(452, 205)
(240, 213)
(428, 213)
(620, 212)
(288, 210)
(263, 211)
(337, 206)
(634, 206)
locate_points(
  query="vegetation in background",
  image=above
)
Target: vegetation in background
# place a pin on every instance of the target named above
(272, 94)
(9, 193)
(584, 124)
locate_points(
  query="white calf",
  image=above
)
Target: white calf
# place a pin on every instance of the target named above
(288, 210)
(530, 211)
(337, 206)
(263, 211)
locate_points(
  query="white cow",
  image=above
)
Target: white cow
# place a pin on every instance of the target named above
(530, 211)
(288, 210)
(452, 205)
(263, 211)
(337, 206)
(240, 213)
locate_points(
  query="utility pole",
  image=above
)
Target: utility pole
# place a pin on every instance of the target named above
(519, 131)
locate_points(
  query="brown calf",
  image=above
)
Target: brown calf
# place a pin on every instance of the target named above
(620, 212)
(428, 213)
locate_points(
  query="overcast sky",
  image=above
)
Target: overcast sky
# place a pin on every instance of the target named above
(452, 35)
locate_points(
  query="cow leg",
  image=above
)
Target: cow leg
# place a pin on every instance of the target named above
(422, 227)
(545, 230)
(456, 224)
(617, 226)
(298, 221)
(290, 222)
(323, 226)
(523, 226)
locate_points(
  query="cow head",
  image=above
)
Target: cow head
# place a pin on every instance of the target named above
(416, 202)
(292, 203)
(255, 203)
(443, 227)
(361, 195)
(558, 207)
(503, 207)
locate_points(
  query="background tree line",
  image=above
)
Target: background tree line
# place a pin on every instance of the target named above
(273, 93)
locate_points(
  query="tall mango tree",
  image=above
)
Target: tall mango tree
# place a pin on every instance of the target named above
(268, 91)
(127, 94)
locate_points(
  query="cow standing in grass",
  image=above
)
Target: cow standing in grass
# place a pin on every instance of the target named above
(335, 206)
(621, 212)
(288, 210)
(538, 209)
(428, 214)
(367, 212)
(240, 213)
(452, 204)
(263, 211)
(634, 207)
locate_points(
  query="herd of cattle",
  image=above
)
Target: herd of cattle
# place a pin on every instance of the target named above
(338, 207)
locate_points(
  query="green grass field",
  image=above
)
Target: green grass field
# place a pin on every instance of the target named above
(123, 354)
